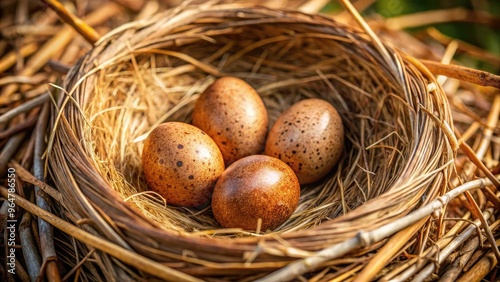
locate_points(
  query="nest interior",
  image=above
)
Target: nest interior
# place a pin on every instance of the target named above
(396, 156)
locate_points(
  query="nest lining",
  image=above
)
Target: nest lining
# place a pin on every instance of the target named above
(396, 156)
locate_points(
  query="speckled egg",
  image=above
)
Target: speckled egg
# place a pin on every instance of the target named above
(182, 163)
(233, 114)
(255, 187)
(309, 137)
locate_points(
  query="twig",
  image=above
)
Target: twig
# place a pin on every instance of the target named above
(30, 251)
(481, 268)
(10, 149)
(129, 257)
(35, 102)
(476, 212)
(21, 273)
(463, 73)
(45, 229)
(454, 271)
(26, 176)
(10, 58)
(80, 26)
(29, 122)
(59, 42)
(466, 258)
(30, 94)
(34, 79)
(476, 161)
(442, 16)
(464, 46)
(29, 30)
(58, 66)
(363, 239)
(444, 253)
(392, 246)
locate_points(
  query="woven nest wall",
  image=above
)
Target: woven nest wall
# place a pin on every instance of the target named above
(396, 156)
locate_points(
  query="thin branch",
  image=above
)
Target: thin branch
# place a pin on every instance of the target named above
(481, 268)
(129, 257)
(30, 251)
(442, 16)
(27, 177)
(476, 212)
(464, 46)
(463, 73)
(45, 229)
(59, 42)
(445, 252)
(80, 26)
(363, 239)
(26, 106)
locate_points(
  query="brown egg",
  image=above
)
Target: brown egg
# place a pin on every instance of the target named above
(233, 114)
(309, 137)
(182, 163)
(255, 187)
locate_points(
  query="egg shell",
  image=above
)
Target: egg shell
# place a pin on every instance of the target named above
(309, 137)
(234, 115)
(255, 187)
(182, 163)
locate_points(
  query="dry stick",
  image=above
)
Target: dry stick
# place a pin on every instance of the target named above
(45, 230)
(29, 122)
(476, 211)
(11, 58)
(463, 73)
(26, 176)
(10, 149)
(392, 246)
(464, 46)
(30, 252)
(363, 239)
(481, 268)
(21, 272)
(59, 42)
(80, 26)
(33, 80)
(475, 158)
(466, 252)
(129, 257)
(491, 123)
(454, 271)
(444, 253)
(24, 107)
(441, 16)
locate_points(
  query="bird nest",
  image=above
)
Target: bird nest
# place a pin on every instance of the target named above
(397, 157)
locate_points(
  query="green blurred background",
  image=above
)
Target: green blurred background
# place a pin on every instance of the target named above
(483, 36)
